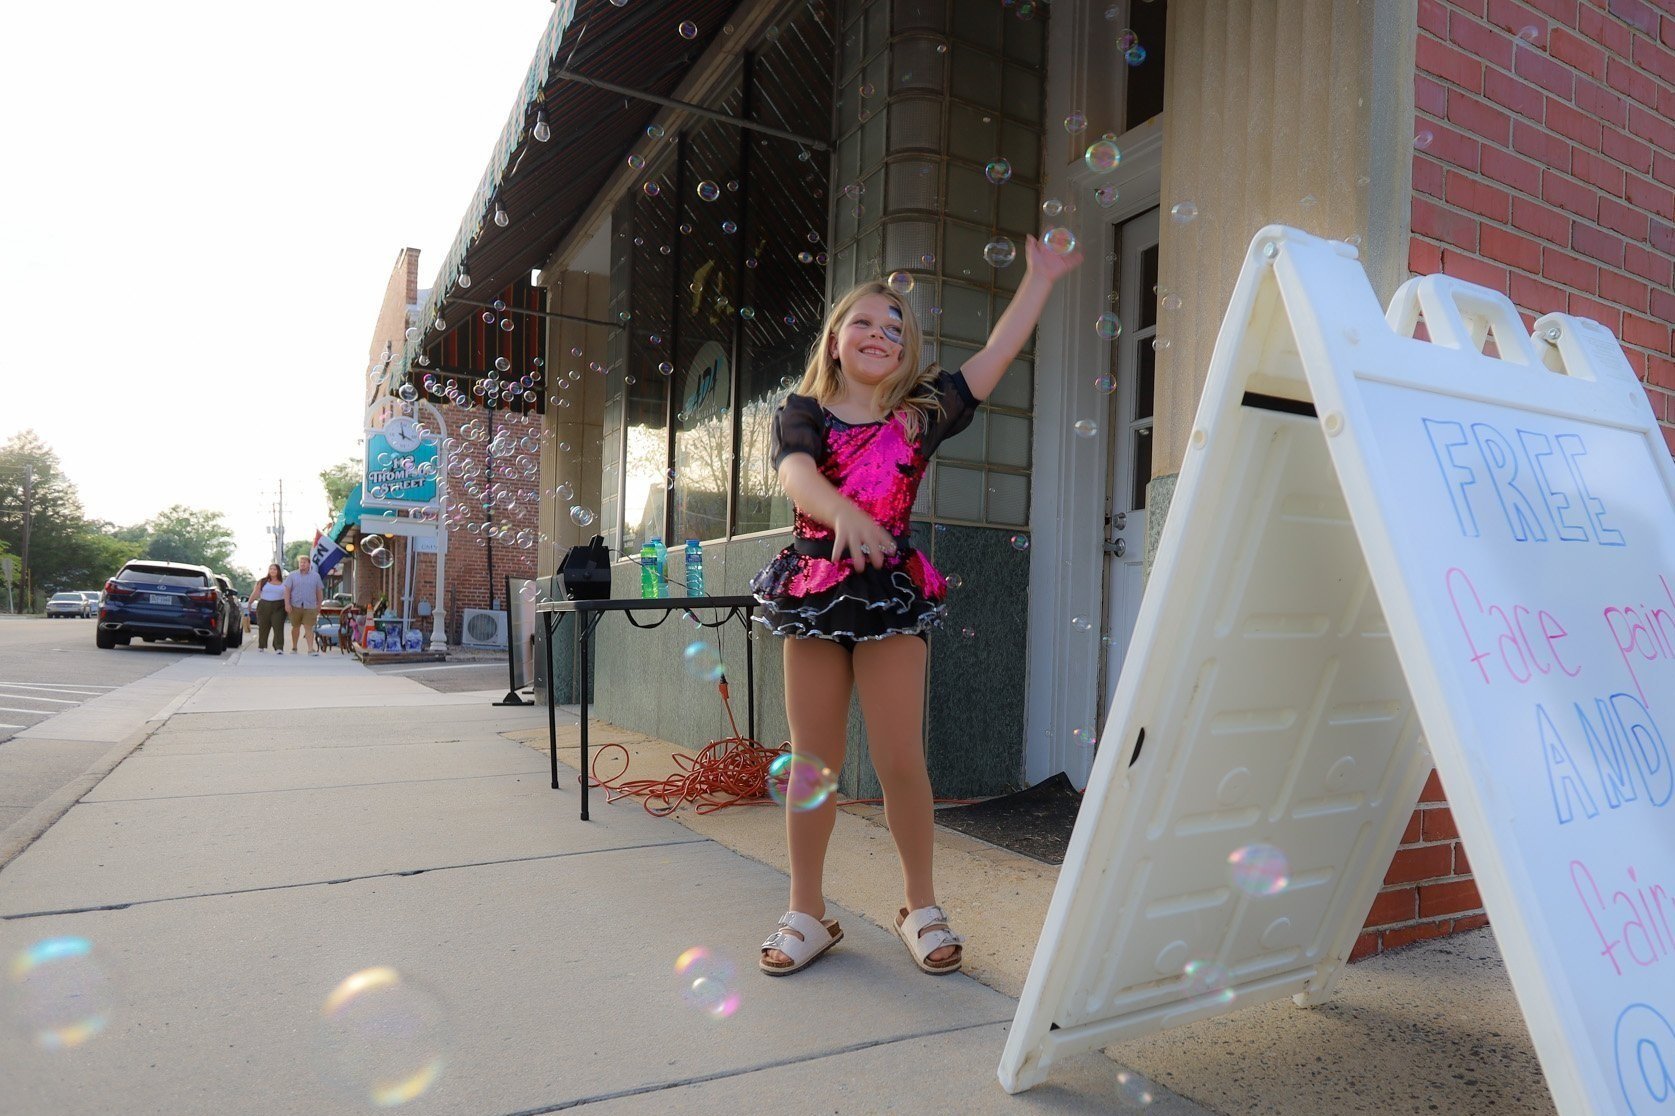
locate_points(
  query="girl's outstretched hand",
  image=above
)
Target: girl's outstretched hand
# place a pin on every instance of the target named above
(1049, 265)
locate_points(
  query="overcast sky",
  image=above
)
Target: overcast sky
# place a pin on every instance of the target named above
(201, 205)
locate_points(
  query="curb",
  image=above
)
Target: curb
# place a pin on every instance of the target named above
(17, 837)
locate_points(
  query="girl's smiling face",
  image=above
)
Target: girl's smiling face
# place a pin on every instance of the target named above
(867, 343)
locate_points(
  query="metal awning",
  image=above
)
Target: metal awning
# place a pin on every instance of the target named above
(544, 188)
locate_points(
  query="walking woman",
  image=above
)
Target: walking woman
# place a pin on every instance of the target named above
(269, 599)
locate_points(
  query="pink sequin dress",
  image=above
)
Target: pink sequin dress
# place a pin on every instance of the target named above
(803, 592)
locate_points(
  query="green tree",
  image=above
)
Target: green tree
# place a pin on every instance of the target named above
(295, 549)
(339, 480)
(36, 496)
(182, 534)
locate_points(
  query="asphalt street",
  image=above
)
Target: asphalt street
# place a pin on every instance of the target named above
(48, 668)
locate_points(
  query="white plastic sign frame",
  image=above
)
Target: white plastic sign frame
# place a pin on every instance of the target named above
(1373, 533)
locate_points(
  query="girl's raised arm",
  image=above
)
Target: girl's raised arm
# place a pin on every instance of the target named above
(1006, 340)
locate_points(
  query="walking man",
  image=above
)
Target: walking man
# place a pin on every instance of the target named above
(303, 593)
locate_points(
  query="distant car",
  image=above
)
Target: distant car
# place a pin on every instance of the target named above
(165, 600)
(91, 596)
(68, 605)
(235, 610)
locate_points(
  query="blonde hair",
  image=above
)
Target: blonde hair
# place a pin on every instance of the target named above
(905, 393)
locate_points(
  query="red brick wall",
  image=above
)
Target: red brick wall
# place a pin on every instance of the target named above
(468, 549)
(1544, 168)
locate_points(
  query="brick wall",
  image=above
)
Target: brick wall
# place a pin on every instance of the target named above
(1543, 168)
(468, 543)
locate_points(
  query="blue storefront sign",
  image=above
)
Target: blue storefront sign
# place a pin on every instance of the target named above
(402, 463)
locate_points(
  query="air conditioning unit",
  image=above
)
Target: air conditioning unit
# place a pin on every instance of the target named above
(483, 628)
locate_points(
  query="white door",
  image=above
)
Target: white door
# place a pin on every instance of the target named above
(1129, 420)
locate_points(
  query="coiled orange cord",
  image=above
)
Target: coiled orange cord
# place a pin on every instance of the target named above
(730, 772)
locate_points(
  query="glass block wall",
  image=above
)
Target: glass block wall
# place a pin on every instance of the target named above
(927, 104)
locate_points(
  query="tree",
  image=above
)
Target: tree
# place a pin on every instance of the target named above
(339, 480)
(295, 549)
(182, 534)
(36, 497)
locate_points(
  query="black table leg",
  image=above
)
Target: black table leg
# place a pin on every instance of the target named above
(749, 674)
(584, 636)
(552, 697)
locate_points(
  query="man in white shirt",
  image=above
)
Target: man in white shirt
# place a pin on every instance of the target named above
(303, 593)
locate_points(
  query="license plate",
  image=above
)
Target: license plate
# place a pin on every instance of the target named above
(160, 598)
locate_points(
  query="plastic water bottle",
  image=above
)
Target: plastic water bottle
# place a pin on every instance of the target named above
(662, 568)
(648, 570)
(694, 568)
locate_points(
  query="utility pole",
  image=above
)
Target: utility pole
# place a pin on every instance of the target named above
(279, 527)
(28, 515)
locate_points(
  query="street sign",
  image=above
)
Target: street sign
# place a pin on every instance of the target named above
(8, 567)
(1375, 537)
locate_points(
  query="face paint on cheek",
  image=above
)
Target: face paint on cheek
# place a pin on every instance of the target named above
(892, 329)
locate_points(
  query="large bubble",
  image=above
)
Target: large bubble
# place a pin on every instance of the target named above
(385, 1037)
(800, 782)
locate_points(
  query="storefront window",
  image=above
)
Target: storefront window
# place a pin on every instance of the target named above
(649, 221)
(708, 311)
(726, 269)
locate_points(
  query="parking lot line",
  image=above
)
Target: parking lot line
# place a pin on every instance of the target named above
(33, 697)
(15, 709)
(89, 690)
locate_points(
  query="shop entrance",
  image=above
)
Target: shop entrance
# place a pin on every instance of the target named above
(1129, 419)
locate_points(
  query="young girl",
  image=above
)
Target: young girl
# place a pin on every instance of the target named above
(853, 596)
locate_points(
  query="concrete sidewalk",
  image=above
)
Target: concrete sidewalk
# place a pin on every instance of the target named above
(295, 820)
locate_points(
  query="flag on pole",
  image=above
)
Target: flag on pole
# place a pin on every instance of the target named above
(326, 553)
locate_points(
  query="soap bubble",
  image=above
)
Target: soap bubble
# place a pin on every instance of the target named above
(1081, 623)
(1183, 212)
(703, 662)
(408, 393)
(730, 227)
(708, 190)
(565, 490)
(1052, 207)
(652, 189)
(1170, 302)
(580, 516)
(1106, 196)
(800, 782)
(636, 162)
(1084, 736)
(1422, 140)
(1105, 383)
(1134, 55)
(928, 259)
(1102, 156)
(1108, 326)
(1000, 252)
(1085, 428)
(1020, 542)
(968, 633)
(708, 983)
(654, 131)
(1075, 122)
(385, 1036)
(1127, 38)
(372, 542)
(1059, 240)
(1259, 870)
(380, 557)
(62, 992)
(1132, 1089)
(998, 171)
(901, 282)
(688, 29)
(955, 581)
(1209, 980)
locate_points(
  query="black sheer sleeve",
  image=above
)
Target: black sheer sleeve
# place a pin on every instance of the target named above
(799, 427)
(959, 407)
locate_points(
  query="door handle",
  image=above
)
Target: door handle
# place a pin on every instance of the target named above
(1119, 548)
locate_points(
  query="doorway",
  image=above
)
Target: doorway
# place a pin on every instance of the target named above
(1128, 469)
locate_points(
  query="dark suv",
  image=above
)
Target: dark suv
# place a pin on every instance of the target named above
(165, 600)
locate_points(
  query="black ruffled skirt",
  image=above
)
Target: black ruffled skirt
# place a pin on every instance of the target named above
(798, 598)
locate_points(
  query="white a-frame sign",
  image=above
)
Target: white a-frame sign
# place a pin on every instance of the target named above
(1376, 543)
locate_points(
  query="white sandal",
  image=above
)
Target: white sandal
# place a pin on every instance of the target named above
(802, 938)
(925, 931)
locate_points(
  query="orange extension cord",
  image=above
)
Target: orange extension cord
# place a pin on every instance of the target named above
(730, 772)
